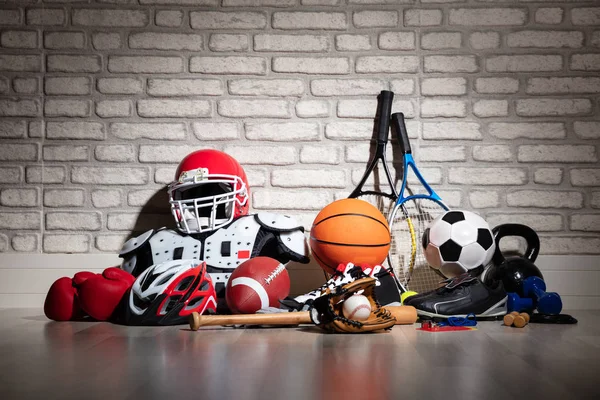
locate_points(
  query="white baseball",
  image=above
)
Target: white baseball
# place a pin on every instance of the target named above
(357, 307)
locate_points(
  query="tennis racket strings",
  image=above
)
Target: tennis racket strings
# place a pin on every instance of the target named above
(406, 250)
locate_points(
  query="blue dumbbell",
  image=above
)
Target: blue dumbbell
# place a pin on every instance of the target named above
(518, 304)
(545, 302)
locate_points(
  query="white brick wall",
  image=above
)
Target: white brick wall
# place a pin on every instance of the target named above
(99, 101)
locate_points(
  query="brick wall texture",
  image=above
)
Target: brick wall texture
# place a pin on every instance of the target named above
(99, 101)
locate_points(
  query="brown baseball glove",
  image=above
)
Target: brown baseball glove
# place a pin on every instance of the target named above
(326, 311)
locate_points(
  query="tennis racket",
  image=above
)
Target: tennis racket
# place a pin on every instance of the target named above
(408, 220)
(384, 201)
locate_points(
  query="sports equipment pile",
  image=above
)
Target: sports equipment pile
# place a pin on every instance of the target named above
(389, 256)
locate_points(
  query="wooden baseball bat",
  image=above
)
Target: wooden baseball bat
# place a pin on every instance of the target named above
(285, 318)
(403, 315)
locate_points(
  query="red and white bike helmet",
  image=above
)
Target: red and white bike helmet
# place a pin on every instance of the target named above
(167, 293)
(209, 191)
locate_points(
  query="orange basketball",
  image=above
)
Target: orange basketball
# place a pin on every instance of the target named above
(349, 230)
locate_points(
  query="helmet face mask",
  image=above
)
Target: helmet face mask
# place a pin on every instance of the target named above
(210, 190)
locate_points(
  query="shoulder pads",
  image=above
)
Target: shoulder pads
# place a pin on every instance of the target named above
(135, 242)
(295, 241)
(228, 247)
(277, 222)
(154, 247)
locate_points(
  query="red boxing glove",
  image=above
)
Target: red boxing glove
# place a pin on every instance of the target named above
(100, 294)
(81, 277)
(62, 303)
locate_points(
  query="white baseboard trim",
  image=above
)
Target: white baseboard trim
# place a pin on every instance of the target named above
(26, 278)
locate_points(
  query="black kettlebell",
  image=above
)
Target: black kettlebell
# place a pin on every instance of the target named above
(514, 269)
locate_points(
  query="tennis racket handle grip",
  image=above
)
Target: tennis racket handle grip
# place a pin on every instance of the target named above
(399, 125)
(386, 100)
(405, 315)
(385, 109)
(386, 96)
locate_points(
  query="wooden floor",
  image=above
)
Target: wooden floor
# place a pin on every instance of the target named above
(40, 359)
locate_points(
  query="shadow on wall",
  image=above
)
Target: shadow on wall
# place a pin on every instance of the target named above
(155, 214)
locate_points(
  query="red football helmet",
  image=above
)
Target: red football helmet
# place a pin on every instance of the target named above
(209, 191)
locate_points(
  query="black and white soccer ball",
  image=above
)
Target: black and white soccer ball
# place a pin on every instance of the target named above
(457, 242)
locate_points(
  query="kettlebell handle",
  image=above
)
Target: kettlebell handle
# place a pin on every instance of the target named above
(519, 230)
